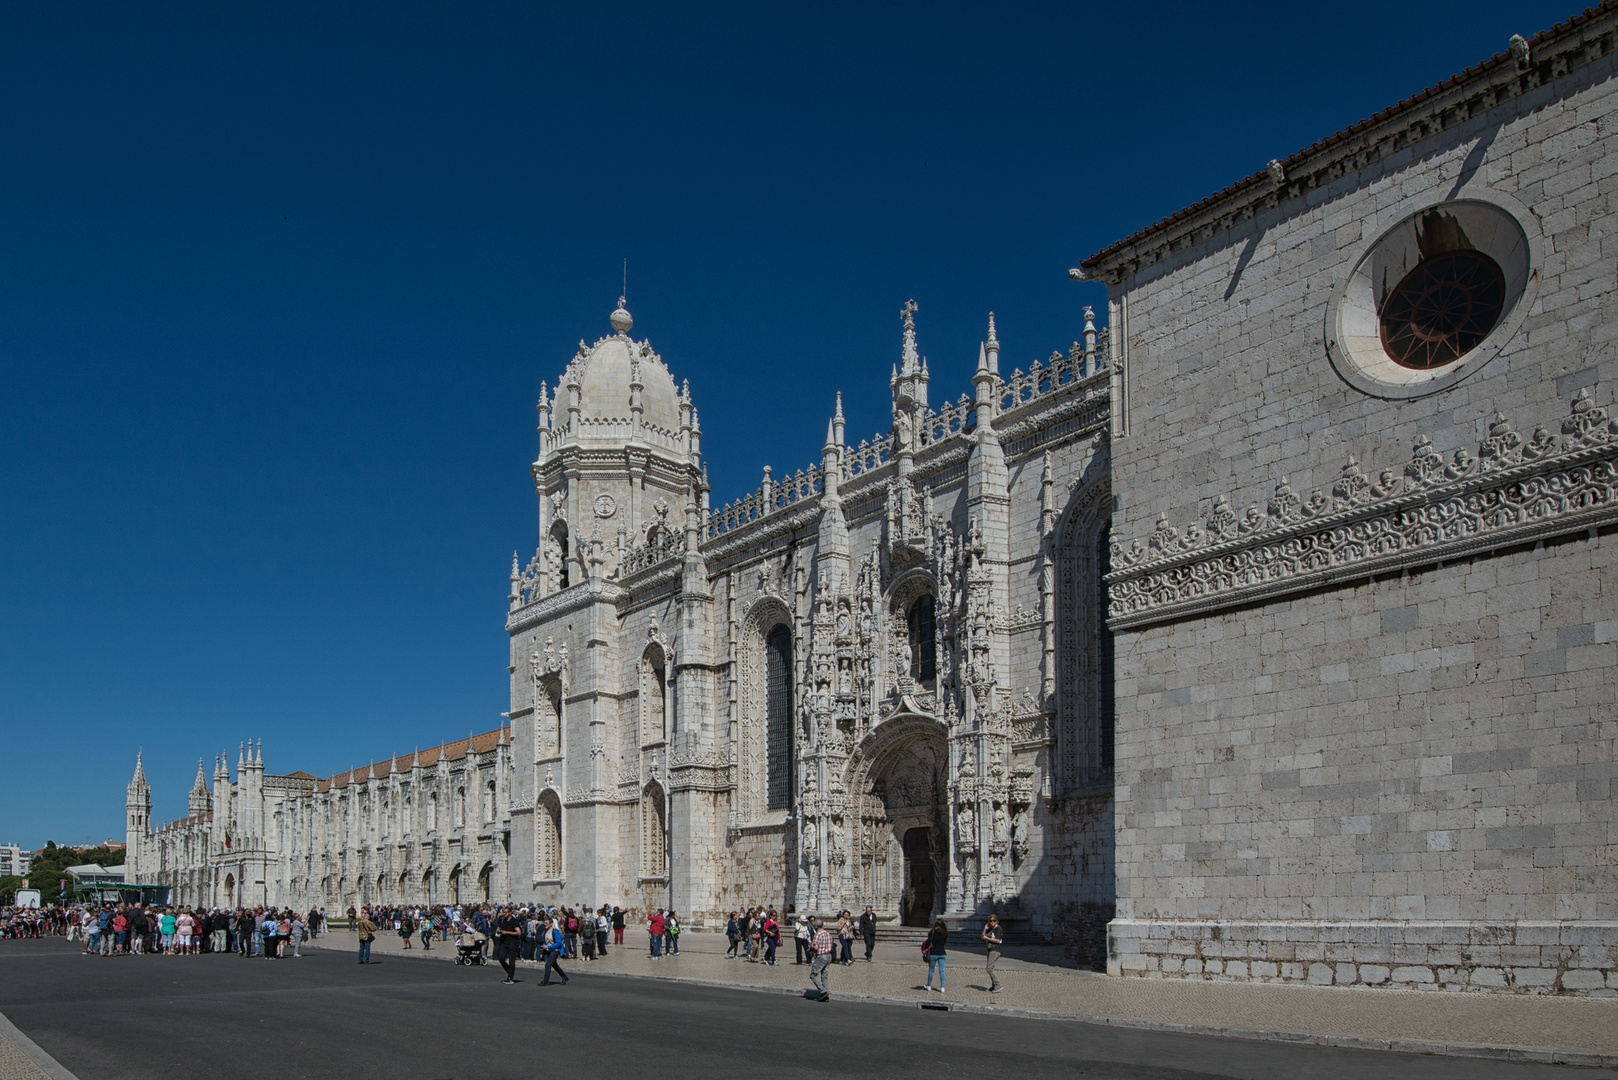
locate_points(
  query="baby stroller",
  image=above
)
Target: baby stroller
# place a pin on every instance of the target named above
(469, 950)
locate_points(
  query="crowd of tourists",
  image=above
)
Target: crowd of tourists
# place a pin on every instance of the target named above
(24, 922)
(182, 930)
(511, 932)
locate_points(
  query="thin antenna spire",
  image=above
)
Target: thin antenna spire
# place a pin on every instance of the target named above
(626, 279)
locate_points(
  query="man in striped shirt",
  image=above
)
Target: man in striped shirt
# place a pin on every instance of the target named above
(822, 947)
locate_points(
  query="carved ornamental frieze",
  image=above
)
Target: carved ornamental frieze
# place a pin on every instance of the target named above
(1516, 489)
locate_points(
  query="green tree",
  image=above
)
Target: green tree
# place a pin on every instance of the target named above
(9, 884)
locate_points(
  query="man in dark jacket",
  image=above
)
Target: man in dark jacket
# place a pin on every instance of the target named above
(868, 931)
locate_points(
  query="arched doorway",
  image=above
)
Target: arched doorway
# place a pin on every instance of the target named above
(484, 877)
(455, 886)
(230, 890)
(898, 817)
(920, 896)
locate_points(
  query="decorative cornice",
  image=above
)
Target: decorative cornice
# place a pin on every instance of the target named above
(572, 599)
(1516, 489)
(1503, 78)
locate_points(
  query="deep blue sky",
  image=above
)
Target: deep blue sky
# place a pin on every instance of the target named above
(278, 287)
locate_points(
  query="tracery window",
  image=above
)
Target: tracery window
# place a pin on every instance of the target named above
(548, 837)
(778, 718)
(653, 699)
(548, 720)
(923, 647)
(653, 830)
(1443, 309)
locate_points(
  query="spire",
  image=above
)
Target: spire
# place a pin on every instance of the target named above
(201, 782)
(837, 419)
(992, 349)
(241, 756)
(908, 358)
(139, 779)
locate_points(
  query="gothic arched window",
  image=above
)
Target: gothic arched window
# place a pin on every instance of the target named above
(548, 837)
(923, 648)
(559, 536)
(778, 768)
(653, 828)
(1104, 657)
(653, 685)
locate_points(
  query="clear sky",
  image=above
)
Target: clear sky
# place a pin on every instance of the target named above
(279, 283)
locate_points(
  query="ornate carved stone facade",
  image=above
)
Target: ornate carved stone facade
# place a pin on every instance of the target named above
(839, 689)
(427, 827)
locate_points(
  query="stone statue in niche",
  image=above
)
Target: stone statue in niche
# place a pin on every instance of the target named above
(966, 828)
(902, 658)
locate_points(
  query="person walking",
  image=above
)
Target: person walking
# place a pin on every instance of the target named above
(426, 931)
(367, 932)
(731, 935)
(845, 936)
(868, 931)
(993, 939)
(935, 948)
(555, 942)
(508, 938)
(821, 954)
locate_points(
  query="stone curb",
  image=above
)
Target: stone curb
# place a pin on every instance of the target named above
(51, 1067)
(1347, 1042)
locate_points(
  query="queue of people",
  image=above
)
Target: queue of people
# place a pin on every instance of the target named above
(112, 929)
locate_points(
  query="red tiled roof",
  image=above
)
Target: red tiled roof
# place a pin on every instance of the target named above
(1475, 71)
(454, 751)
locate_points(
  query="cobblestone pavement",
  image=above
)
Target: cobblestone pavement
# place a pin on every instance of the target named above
(16, 1065)
(1573, 1030)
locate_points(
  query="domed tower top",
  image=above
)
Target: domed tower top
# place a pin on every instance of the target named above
(622, 322)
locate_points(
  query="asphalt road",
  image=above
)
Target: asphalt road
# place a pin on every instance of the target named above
(323, 1015)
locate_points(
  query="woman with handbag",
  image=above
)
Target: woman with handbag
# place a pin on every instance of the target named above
(935, 949)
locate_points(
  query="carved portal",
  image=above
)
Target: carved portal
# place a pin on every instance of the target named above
(898, 796)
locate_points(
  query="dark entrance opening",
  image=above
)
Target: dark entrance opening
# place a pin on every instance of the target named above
(916, 906)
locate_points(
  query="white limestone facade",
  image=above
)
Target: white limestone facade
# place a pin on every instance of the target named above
(1365, 614)
(875, 680)
(428, 827)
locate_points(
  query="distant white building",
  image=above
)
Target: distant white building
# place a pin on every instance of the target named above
(14, 860)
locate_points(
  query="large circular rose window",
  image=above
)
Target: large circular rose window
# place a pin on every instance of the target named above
(1443, 309)
(1434, 296)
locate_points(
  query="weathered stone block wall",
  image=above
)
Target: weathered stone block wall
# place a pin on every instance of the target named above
(1435, 746)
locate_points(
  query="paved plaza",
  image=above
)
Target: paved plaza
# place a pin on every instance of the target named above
(423, 1017)
(1040, 982)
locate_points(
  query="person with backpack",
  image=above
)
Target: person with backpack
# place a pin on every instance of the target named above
(554, 943)
(571, 937)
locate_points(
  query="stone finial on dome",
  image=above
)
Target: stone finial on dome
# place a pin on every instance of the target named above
(621, 320)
